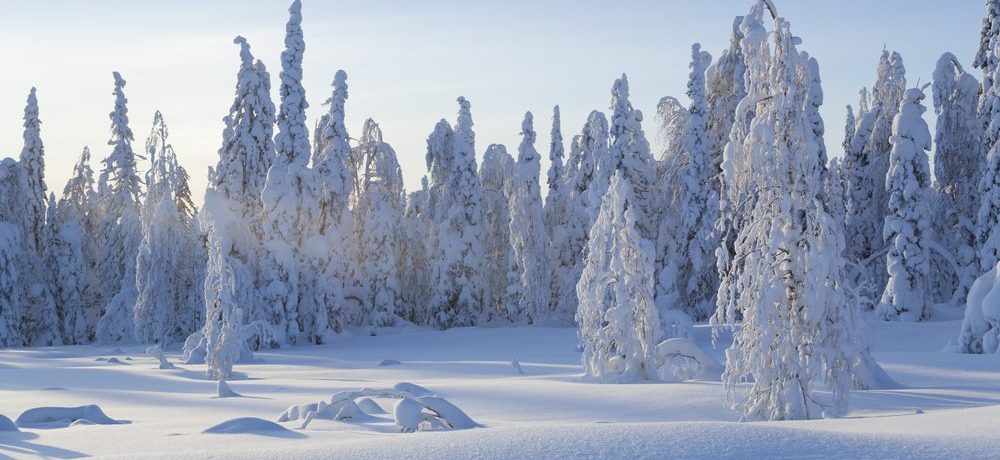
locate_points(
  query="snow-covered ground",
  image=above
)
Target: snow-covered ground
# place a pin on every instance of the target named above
(949, 408)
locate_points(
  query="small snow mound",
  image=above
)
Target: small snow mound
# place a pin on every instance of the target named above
(371, 407)
(389, 362)
(351, 412)
(251, 425)
(6, 425)
(156, 352)
(61, 417)
(114, 360)
(224, 391)
(100, 358)
(82, 421)
(413, 389)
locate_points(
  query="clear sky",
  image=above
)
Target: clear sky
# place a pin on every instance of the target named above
(407, 62)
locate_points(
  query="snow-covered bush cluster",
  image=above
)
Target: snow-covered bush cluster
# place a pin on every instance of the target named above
(741, 220)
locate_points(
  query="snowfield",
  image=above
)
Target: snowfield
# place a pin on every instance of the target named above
(949, 408)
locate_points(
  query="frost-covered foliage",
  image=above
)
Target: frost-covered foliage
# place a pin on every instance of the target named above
(458, 258)
(557, 215)
(415, 263)
(834, 190)
(976, 328)
(907, 295)
(813, 101)
(247, 147)
(958, 157)
(121, 226)
(580, 170)
(865, 226)
(287, 279)
(379, 213)
(235, 185)
(859, 212)
(224, 338)
(170, 262)
(64, 257)
(78, 208)
(628, 151)
(500, 282)
(786, 279)
(696, 277)
(527, 230)
(619, 322)
(11, 251)
(335, 222)
(725, 85)
(40, 326)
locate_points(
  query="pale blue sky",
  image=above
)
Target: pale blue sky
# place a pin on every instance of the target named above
(408, 61)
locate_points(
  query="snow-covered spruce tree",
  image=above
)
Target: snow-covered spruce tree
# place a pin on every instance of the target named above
(159, 272)
(556, 214)
(167, 176)
(329, 249)
(629, 152)
(887, 93)
(457, 274)
(224, 334)
(238, 178)
(834, 191)
(958, 157)
(725, 84)
(671, 168)
(581, 167)
(527, 230)
(860, 214)
(78, 208)
(379, 213)
(121, 225)
(907, 295)
(975, 327)
(787, 271)
(813, 101)
(40, 326)
(63, 250)
(495, 176)
(697, 278)
(554, 209)
(415, 263)
(619, 323)
(287, 279)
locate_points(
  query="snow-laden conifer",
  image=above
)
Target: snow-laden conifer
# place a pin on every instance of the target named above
(958, 157)
(786, 279)
(495, 175)
(121, 226)
(457, 275)
(907, 229)
(527, 229)
(68, 269)
(618, 320)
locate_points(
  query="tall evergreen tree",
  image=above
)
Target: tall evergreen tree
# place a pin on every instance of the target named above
(527, 229)
(40, 322)
(958, 156)
(63, 248)
(11, 259)
(787, 276)
(121, 225)
(619, 323)
(495, 176)
(335, 231)
(697, 277)
(907, 296)
(457, 274)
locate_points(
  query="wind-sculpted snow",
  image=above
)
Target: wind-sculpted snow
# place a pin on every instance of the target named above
(61, 417)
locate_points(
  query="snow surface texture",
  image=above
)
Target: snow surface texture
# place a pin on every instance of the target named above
(549, 413)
